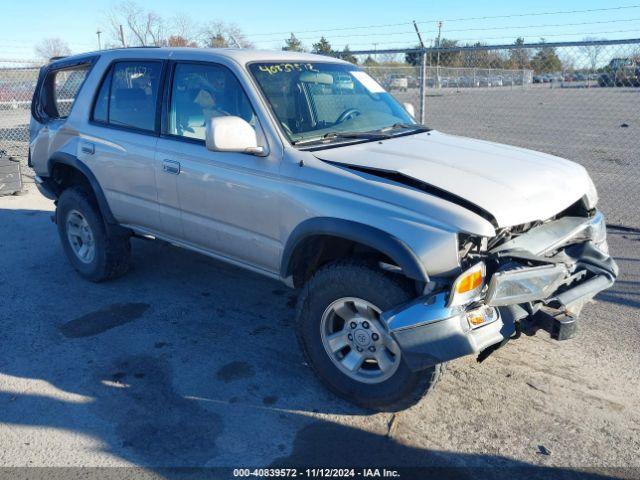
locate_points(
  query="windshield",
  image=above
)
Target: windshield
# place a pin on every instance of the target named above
(327, 101)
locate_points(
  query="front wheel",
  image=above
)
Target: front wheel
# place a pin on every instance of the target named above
(347, 344)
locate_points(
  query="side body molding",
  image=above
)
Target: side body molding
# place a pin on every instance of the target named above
(372, 237)
(72, 161)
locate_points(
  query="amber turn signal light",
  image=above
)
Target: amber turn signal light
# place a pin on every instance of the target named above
(468, 285)
(471, 281)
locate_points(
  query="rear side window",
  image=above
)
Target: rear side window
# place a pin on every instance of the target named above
(66, 85)
(128, 96)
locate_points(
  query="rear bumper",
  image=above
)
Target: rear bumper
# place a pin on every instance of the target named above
(429, 332)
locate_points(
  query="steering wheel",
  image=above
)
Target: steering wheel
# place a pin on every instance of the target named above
(347, 114)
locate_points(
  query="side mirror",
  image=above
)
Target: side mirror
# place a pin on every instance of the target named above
(231, 134)
(410, 110)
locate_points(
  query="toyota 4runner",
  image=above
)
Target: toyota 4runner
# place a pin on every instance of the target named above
(409, 247)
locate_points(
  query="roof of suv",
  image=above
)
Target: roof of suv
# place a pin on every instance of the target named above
(240, 55)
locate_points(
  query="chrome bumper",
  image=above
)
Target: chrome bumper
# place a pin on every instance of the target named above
(429, 332)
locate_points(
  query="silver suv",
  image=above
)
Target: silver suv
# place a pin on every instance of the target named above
(409, 247)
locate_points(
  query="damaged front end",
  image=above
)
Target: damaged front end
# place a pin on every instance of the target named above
(536, 278)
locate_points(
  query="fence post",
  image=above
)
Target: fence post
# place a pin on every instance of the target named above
(423, 85)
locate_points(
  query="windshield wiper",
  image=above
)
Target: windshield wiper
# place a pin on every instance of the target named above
(348, 135)
(417, 127)
(367, 135)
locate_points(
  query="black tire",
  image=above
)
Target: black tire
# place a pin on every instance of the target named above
(112, 247)
(358, 279)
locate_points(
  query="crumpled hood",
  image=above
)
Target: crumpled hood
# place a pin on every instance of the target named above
(512, 184)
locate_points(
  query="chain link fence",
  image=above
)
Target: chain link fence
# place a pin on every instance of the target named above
(395, 78)
(578, 100)
(18, 80)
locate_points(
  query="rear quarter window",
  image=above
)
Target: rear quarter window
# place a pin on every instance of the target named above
(66, 85)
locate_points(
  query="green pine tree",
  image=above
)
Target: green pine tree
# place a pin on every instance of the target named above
(347, 56)
(292, 44)
(323, 47)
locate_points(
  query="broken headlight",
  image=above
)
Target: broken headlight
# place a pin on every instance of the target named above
(526, 284)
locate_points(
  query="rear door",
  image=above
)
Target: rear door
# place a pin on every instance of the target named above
(121, 140)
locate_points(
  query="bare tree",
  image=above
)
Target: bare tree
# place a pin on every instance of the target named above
(389, 58)
(52, 47)
(218, 34)
(183, 26)
(130, 24)
(178, 41)
(592, 52)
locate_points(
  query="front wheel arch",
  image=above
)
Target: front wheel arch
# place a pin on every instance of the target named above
(345, 232)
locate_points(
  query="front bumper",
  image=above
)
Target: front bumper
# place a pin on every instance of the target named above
(429, 331)
(46, 187)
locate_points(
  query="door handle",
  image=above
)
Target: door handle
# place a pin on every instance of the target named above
(171, 166)
(88, 148)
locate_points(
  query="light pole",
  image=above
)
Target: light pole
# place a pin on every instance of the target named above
(98, 33)
(423, 73)
(438, 55)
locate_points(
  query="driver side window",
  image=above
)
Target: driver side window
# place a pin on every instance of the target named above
(200, 92)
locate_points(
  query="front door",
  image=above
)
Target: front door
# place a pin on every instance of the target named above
(228, 201)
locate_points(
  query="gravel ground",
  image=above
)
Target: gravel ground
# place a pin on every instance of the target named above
(190, 362)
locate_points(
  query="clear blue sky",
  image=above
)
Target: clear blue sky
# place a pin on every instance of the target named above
(26, 22)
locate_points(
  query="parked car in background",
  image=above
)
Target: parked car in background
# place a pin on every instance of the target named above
(408, 247)
(621, 72)
(496, 81)
(14, 95)
(413, 82)
(397, 82)
(471, 81)
(484, 81)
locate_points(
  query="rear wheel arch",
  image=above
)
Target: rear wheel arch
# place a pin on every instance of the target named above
(321, 240)
(66, 170)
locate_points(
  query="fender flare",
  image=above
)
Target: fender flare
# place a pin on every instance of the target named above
(367, 235)
(72, 161)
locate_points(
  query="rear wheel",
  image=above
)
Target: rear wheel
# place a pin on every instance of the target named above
(97, 251)
(346, 342)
